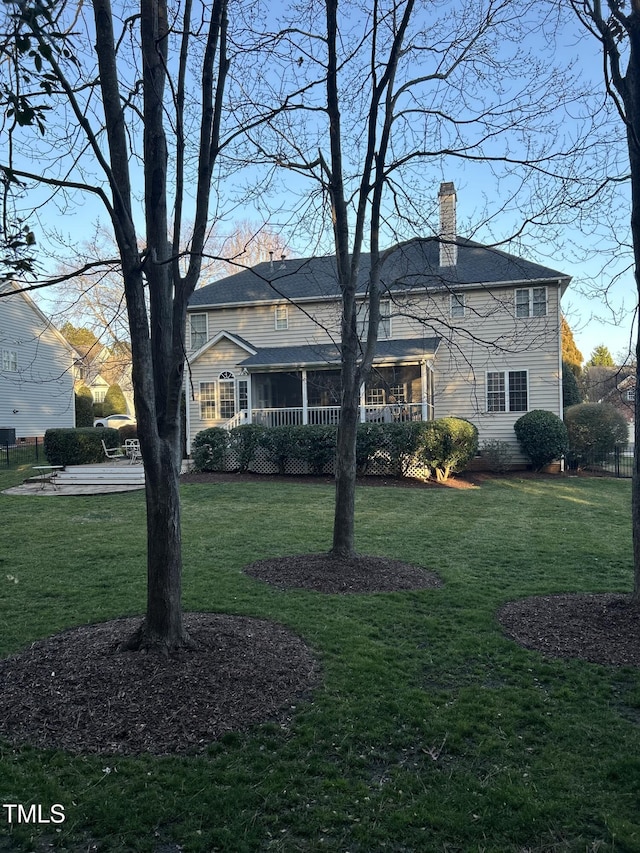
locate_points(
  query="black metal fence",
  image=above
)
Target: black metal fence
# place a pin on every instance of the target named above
(618, 463)
(22, 453)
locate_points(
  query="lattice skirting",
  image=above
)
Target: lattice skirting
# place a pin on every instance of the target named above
(380, 466)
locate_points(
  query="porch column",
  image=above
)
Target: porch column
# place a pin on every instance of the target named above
(363, 410)
(305, 401)
(425, 390)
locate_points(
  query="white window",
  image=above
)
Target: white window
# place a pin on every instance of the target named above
(198, 330)
(531, 302)
(374, 396)
(99, 394)
(631, 395)
(227, 392)
(207, 401)
(362, 320)
(282, 318)
(9, 361)
(456, 305)
(398, 393)
(507, 391)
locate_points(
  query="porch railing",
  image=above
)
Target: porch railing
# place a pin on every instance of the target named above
(294, 416)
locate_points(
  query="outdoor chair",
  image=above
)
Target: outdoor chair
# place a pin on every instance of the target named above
(112, 452)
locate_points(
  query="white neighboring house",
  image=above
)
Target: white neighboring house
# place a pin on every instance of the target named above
(466, 330)
(36, 368)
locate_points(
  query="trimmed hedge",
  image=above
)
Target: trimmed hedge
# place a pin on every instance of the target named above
(78, 446)
(542, 436)
(84, 410)
(443, 446)
(210, 449)
(447, 445)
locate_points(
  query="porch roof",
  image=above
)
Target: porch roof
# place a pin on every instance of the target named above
(408, 350)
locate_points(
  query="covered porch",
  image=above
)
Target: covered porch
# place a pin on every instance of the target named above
(394, 393)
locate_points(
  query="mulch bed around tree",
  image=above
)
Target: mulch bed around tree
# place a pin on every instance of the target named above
(601, 629)
(324, 573)
(75, 691)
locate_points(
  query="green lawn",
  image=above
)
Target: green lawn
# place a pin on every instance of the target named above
(430, 732)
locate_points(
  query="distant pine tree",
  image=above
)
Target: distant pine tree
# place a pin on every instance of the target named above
(601, 357)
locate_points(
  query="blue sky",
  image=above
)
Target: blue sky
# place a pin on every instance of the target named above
(601, 301)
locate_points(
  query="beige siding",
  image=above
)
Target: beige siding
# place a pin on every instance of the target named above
(489, 337)
(223, 356)
(256, 324)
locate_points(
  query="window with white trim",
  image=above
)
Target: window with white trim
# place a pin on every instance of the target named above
(507, 391)
(456, 305)
(207, 401)
(531, 302)
(198, 330)
(227, 395)
(630, 395)
(362, 320)
(99, 395)
(374, 396)
(9, 361)
(281, 318)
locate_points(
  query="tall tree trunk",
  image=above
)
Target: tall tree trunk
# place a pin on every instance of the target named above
(345, 475)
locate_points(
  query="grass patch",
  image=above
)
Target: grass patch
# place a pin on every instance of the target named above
(431, 731)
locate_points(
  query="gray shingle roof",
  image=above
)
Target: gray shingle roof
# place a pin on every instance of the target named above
(322, 354)
(408, 266)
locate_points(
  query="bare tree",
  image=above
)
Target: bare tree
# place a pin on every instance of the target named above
(618, 31)
(376, 96)
(140, 98)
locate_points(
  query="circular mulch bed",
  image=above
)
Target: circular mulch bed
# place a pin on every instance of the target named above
(74, 691)
(326, 573)
(601, 629)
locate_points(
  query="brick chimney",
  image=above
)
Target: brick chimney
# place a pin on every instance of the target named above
(447, 236)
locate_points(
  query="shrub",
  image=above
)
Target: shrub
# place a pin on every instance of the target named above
(114, 401)
(243, 443)
(497, 455)
(127, 431)
(401, 441)
(279, 445)
(594, 429)
(447, 445)
(542, 437)
(314, 444)
(84, 409)
(369, 441)
(210, 449)
(78, 446)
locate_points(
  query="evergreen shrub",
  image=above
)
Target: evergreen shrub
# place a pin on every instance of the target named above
(84, 409)
(78, 446)
(594, 430)
(542, 437)
(244, 442)
(314, 444)
(446, 446)
(210, 448)
(114, 402)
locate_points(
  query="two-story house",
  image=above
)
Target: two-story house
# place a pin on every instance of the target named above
(466, 330)
(36, 371)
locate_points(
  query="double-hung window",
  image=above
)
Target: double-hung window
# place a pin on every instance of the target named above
(531, 302)
(281, 318)
(456, 305)
(207, 401)
(9, 361)
(198, 330)
(507, 391)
